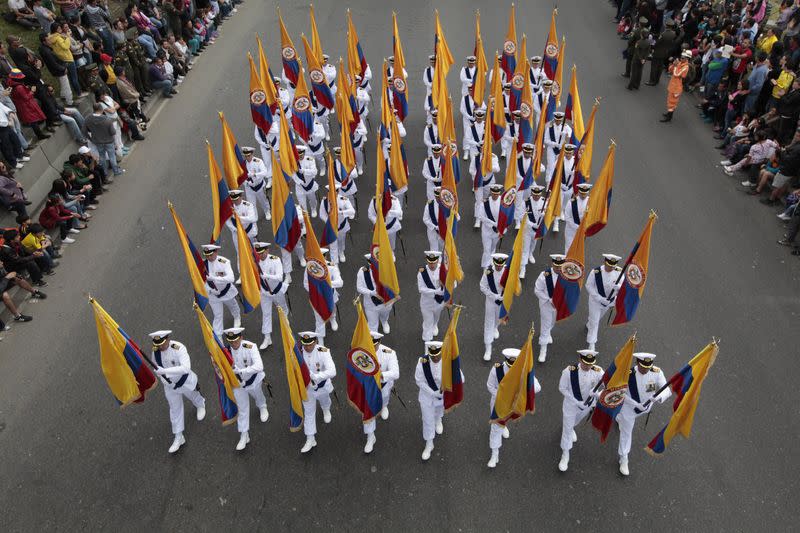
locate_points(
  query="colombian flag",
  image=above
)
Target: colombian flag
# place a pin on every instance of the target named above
(572, 109)
(440, 46)
(259, 106)
(452, 380)
(483, 165)
(518, 79)
(287, 152)
(232, 159)
(222, 363)
(363, 371)
(686, 385)
(481, 66)
(220, 198)
(516, 394)
(331, 230)
(348, 155)
(399, 84)
(449, 194)
(497, 113)
(538, 142)
(557, 86)
(382, 263)
(319, 83)
(615, 380)
(452, 264)
(320, 292)
(510, 280)
(383, 183)
(551, 48)
(291, 66)
(194, 261)
(121, 360)
(635, 272)
(302, 110)
(506, 213)
(296, 373)
(583, 158)
(398, 170)
(285, 223)
(344, 111)
(600, 200)
(439, 91)
(248, 270)
(509, 60)
(526, 108)
(355, 54)
(267, 82)
(567, 291)
(316, 42)
(386, 107)
(552, 208)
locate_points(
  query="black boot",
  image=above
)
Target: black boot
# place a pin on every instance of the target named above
(667, 117)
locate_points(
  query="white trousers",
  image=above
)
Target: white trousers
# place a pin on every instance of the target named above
(430, 318)
(431, 412)
(175, 401)
(434, 242)
(489, 240)
(571, 416)
(386, 393)
(495, 436)
(626, 424)
(323, 396)
(547, 319)
(492, 313)
(570, 230)
(337, 247)
(242, 396)
(359, 159)
(286, 257)
(376, 313)
(267, 301)
(258, 198)
(307, 200)
(393, 239)
(528, 246)
(217, 310)
(596, 312)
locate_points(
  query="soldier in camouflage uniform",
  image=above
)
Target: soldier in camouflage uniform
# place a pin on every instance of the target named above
(136, 58)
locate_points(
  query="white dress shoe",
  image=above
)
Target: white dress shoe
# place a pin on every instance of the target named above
(487, 355)
(542, 353)
(439, 426)
(267, 342)
(342, 258)
(494, 459)
(370, 443)
(555, 226)
(426, 453)
(435, 330)
(506, 432)
(334, 324)
(302, 261)
(531, 259)
(268, 216)
(264, 413)
(326, 416)
(476, 224)
(243, 440)
(623, 466)
(385, 413)
(314, 211)
(496, 333)
(516, 225)
(239, 280)
(386, 328)
(521, 274)
(310, 443)
(574, 436)
(563, 464)
(201, 412)
(177, 443)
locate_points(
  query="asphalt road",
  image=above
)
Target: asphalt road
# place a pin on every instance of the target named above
(72, 461)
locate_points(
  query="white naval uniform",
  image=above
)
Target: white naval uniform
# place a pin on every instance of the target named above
(482, 191)
(543, 289)
(601, 297)
(427, 79)
(362, 102)
(554, 137)
(640, 389)
(347, 182)
(273, 290)
(574, 214)
(540, 102)
(306, 184)
(431, 398)
(524, 167)
(537, 76)
(249, 368)
(346, 213)
(359, 142)
(467, 76)
(510, 136)
(390, 372)
(576, 385)
(567, 184)
(496, 375)
(316, 148)
(259, 180)
(431, 299)
(375, 310)
(336, 283)
(286, 257)
(222, 291)
(432, 172)
(430, 217)
(320, 366)
(330, 76)
(269, 142)
(467, 119)
(392, 218)
(473, 138)
(366, 77)
(430, 137)
(174, 360)
(489, 215)
(534, 215)
(249, 219)
(493, 293)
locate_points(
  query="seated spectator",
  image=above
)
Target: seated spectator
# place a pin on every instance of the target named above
(91, 161)
(9, 280)
(760, 151)
(55, 215)
(9, 140)
(43, 15)
(129, 99)
(21, 14)
(15, 258)
(159, 78)
(73, 198)
(788, 172)
(25, 227)
(37, 241)
(12, 196)
(81, 176)
(70, 8)
(30, 114)
(72, 117)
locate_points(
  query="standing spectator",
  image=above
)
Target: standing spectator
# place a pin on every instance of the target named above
(30, 114)
(756, 79)
(662, 50)
(57, 68)
(767, 41)
(100, 128)
(9, 142)
(742, 55)
(716, 68)
(782, 83)
(61, 43)
(99, 19)
(70, 8)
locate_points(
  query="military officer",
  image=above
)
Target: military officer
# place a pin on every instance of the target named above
(390, 69)
(567, 183)
(359, 143)
(390, 372)
(639, 52)
(320, 366)
(362, 100)
(431, 294)
(662, 50)
(499, 432)
(432, 170)
(346, 183)
(468, 108)
(473, 138)
(534, 215)
(330, 75)
(480, 188)
(346, 212)
(336, 283)
(375, 308)
(537, 74)
(428, 376)
(526, 176)
(248, 216)
(427, 75)
(556, 134)
(273, 289)
(645, 380)
(431, 134)
(543, 289)
(541, 99)
(364, 79)
(602, 284)
(305, 182)
(249, 369)
(220, 287)
(489, 216)
(430, 217)
(511, 133)
(299, 251)
(493, 296)
(316, 147)
(577, 385)
(392, 218)
(174, 368)
(259, 180)
(575, 213)
(467, 74)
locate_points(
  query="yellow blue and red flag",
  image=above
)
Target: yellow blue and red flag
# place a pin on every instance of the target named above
(330, 233)
(383, 182)
(260, 109)
(497, 114)
(291, 66)
(382, 261)
(221, 203)
(267, 78)
(319, 82)
(297, 373)
(600, 200)
(516, 393)
(320, 291)
(344, 110)
(552, 207)
(635, 272)
(686, 385)
(572, 109)
(507, 201)
(248, 270)
(302, 110)
(557, 89)
(224, 376)
(363, 371)
(348, 155)
(483, 161)
(194, 261)
(538, 145)
(355, 54)
(615, 380)
(452, 378)
(481, 66)
(399, 83)
(512, 286)
(583, 155)
(509, 59)
(518, 78)
(398, 166)
(567, 291)
(453, 274)
(526, 108)
(121, 360)
(233, 162)
(287, 151)
(316, 42)
(448, 199)
(285, 221)
(551, 48)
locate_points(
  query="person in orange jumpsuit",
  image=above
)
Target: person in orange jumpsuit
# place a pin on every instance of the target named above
(679, 69)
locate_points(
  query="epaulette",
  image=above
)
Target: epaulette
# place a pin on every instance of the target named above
(222, 260)
(322, 349)
(630, 371)
(272, 256)
(488, 271)
(596, 269)
(248, 344)
(498, 365)
(363, 268)
(429, 157)
(175, 346)
(572, 368)
(421, 269)
(423, 359)
(546, 273)
(617, 268)
(385, 349)
(655, 369)
(596, 368)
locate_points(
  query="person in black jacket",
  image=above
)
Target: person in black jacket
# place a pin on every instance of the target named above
(15, 258)
(788, 109)
(661, 52)
(57, 68)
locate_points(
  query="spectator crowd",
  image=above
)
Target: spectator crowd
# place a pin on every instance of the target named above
(118, 58)
(745, 56)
